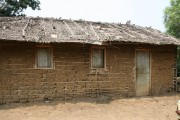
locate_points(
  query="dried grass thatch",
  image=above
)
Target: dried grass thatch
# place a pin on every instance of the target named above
(47, 30)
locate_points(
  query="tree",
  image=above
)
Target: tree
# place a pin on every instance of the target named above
(16, 7)
(172, 18)
(172, 24)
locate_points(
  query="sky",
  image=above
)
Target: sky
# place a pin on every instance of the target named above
(145, 13)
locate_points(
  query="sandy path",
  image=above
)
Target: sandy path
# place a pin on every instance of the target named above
(139, 108)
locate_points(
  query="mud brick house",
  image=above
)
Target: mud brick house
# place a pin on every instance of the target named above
(47, 58)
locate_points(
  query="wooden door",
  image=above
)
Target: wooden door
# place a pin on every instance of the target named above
(142, 73)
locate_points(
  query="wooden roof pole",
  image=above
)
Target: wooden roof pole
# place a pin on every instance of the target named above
(150, 32)
(80, 28)
(68, 28)
(94, 31)
(23, 30)
(115, 26)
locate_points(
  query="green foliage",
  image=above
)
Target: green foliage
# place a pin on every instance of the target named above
(16, 7)
(172, 24)
(172, 18)
(178, 61)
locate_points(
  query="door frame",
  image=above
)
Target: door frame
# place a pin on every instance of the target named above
(150, 63)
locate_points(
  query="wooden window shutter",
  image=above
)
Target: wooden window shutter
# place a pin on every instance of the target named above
(44, 58)
(97, 58)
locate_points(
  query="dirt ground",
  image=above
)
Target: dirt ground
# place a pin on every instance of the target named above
(138, 108)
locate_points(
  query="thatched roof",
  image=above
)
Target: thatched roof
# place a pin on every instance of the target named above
(47, 30)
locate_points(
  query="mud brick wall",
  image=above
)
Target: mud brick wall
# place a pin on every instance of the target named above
(72, 76)
(163, 63)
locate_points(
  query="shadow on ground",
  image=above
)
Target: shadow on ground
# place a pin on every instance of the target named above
(101, 100)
